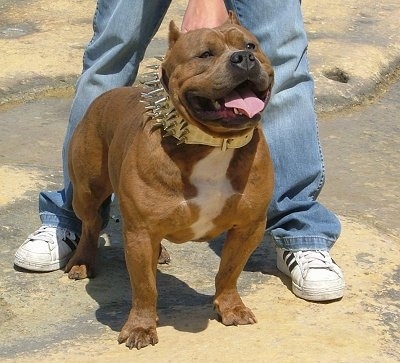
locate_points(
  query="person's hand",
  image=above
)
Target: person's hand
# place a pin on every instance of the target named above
(204, 14)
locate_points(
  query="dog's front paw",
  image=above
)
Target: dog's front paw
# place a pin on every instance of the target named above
(237, 315)
(232, 310)
(138, 337)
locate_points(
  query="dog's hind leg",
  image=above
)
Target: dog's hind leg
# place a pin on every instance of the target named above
(88, 170)
(82, 263)
(91, 188)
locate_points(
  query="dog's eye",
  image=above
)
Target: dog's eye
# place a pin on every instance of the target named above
(250, 46)
(205, 54)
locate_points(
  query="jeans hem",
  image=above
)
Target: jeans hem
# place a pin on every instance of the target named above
(49, 219)
(305, 243)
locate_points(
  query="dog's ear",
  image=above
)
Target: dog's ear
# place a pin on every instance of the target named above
(232, 18)
(174, 34)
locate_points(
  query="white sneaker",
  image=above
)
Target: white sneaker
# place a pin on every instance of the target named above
(315, 276)
(47, 249)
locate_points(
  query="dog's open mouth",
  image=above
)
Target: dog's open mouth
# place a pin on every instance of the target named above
(243, 102)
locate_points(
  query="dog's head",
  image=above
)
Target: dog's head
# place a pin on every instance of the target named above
(218, 79)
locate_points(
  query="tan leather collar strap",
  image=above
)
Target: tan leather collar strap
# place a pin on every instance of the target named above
(197, 136)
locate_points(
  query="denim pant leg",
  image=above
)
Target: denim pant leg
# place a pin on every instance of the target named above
(122, 31)
(296, 220)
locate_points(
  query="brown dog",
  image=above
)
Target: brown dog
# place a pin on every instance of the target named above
(185, 165)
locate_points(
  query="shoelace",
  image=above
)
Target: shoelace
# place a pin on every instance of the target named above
(44, 233)
(314, 259)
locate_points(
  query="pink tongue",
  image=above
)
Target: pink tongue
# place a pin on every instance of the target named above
(246, 101)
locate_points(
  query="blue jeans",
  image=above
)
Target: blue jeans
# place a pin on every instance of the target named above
(122, 31)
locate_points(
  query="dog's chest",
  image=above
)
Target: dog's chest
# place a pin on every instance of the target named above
(209, 176)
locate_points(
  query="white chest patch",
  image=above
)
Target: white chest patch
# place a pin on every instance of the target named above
(213, 189)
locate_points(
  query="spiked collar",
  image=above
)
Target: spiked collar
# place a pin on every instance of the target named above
(160, 109)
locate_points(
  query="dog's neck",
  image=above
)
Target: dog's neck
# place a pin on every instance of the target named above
(160, 109)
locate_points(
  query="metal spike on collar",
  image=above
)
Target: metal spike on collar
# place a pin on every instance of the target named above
(169, 127)
(169, 117)
(184, 125)
(181, 141)
(152, 66)
(153, 93)
(150, 75)
(163, 99)
(160, 109)
(150, 82)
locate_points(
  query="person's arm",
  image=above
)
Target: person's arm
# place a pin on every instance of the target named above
(204, 14)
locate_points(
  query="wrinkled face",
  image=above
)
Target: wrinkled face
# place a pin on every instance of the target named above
(218, 79)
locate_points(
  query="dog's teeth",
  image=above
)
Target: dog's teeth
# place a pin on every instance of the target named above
(217, 105)
(237, 111)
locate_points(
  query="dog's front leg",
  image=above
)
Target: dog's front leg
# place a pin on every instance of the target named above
(141, 255)
(239, 245)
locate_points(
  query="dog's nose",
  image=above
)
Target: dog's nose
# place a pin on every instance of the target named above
(243, 59)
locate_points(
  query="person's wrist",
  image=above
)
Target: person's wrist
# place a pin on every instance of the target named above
(204, 14)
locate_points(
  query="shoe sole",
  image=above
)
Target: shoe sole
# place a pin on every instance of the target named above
(334, 293)
(37, 267)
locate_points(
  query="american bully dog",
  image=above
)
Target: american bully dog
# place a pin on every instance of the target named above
(187, 159)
